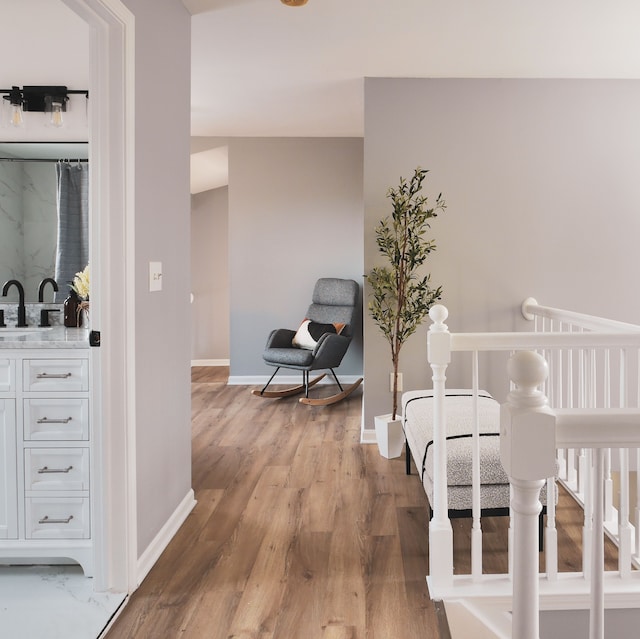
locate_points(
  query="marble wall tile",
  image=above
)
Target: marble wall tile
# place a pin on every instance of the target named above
(28, 224)
(11, 226)
(32, 312)
(40, 223)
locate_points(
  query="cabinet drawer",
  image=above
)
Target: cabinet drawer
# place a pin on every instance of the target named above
(7, 376)
(56, 375)
(56, 469)
(56, 419)
(57, 518)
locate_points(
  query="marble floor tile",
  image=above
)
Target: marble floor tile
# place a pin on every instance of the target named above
(53, 602)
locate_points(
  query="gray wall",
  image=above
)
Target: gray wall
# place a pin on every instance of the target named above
(162, 233)
(540, 178)
(295, 214)
(210, 275)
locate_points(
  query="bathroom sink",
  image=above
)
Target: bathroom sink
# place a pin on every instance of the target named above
(12, 331)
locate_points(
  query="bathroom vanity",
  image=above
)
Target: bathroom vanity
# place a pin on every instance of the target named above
(45, 446)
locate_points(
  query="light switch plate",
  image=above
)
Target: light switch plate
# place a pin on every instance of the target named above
(155, 276)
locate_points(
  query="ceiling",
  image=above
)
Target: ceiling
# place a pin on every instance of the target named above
(260, 68)
(52, 49)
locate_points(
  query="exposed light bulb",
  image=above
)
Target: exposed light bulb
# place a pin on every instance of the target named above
(15, 115)
(14, 98)
(56, 114)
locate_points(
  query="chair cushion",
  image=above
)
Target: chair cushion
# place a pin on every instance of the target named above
(296, 357)
(310, 332)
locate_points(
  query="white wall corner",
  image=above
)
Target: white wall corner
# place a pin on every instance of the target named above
(368, 436)
(153, 551)
(209, 362)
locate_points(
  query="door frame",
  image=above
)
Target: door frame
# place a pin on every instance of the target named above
(112, 216)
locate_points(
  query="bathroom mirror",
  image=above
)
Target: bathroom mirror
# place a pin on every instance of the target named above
(29, 213)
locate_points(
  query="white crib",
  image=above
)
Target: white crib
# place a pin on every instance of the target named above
(580, 419)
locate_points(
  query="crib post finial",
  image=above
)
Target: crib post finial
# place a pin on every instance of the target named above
(528, 371)
(527, 424)
(438, 337)
(438, 314)
(527, 452)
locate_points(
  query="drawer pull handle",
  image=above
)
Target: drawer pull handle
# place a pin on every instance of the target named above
(46, 420)
(53, 375)
(45, 469)
(46, 520)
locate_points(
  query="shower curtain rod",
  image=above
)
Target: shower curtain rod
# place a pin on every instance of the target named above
(69, 160)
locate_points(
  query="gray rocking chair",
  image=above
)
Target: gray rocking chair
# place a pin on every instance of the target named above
(319, 344)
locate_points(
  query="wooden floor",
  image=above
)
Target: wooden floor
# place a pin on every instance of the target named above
(300, 532)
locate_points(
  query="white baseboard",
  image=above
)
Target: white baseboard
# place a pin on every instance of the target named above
(209, 362)
(368, 436)
(289, 380)
(166, 534)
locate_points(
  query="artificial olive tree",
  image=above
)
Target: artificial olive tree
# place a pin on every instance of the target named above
(401, 297)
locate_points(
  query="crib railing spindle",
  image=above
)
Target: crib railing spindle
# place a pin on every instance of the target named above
(587, 504)
(551, 533)
(476, 530)
(440, 531)
(625, 532)
(608, 480)
(596, 614)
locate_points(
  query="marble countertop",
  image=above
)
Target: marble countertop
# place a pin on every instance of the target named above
(54, 337)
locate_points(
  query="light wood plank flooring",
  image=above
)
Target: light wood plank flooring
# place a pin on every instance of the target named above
(299, 531)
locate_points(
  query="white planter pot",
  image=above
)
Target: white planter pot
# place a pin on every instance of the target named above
(389, 436)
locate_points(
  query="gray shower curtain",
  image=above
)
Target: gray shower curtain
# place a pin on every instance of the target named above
(73, 223)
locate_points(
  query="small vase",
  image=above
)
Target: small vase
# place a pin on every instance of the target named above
(70, 310)
(389, 435)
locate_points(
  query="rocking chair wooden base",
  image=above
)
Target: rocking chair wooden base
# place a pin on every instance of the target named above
(326, 401)
(287, 392)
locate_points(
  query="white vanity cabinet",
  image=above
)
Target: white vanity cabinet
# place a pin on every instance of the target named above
(8, 473)
(45, 453)
(8, 492)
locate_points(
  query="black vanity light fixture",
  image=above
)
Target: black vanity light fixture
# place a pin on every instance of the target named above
(51, 100)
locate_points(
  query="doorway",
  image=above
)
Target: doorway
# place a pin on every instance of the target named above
(113, 460)
(111, 232)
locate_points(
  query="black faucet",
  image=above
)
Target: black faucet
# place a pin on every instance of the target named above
(45, 281)
(44, 316)
(22, 314)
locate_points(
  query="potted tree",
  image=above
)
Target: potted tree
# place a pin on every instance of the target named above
(400, 295)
